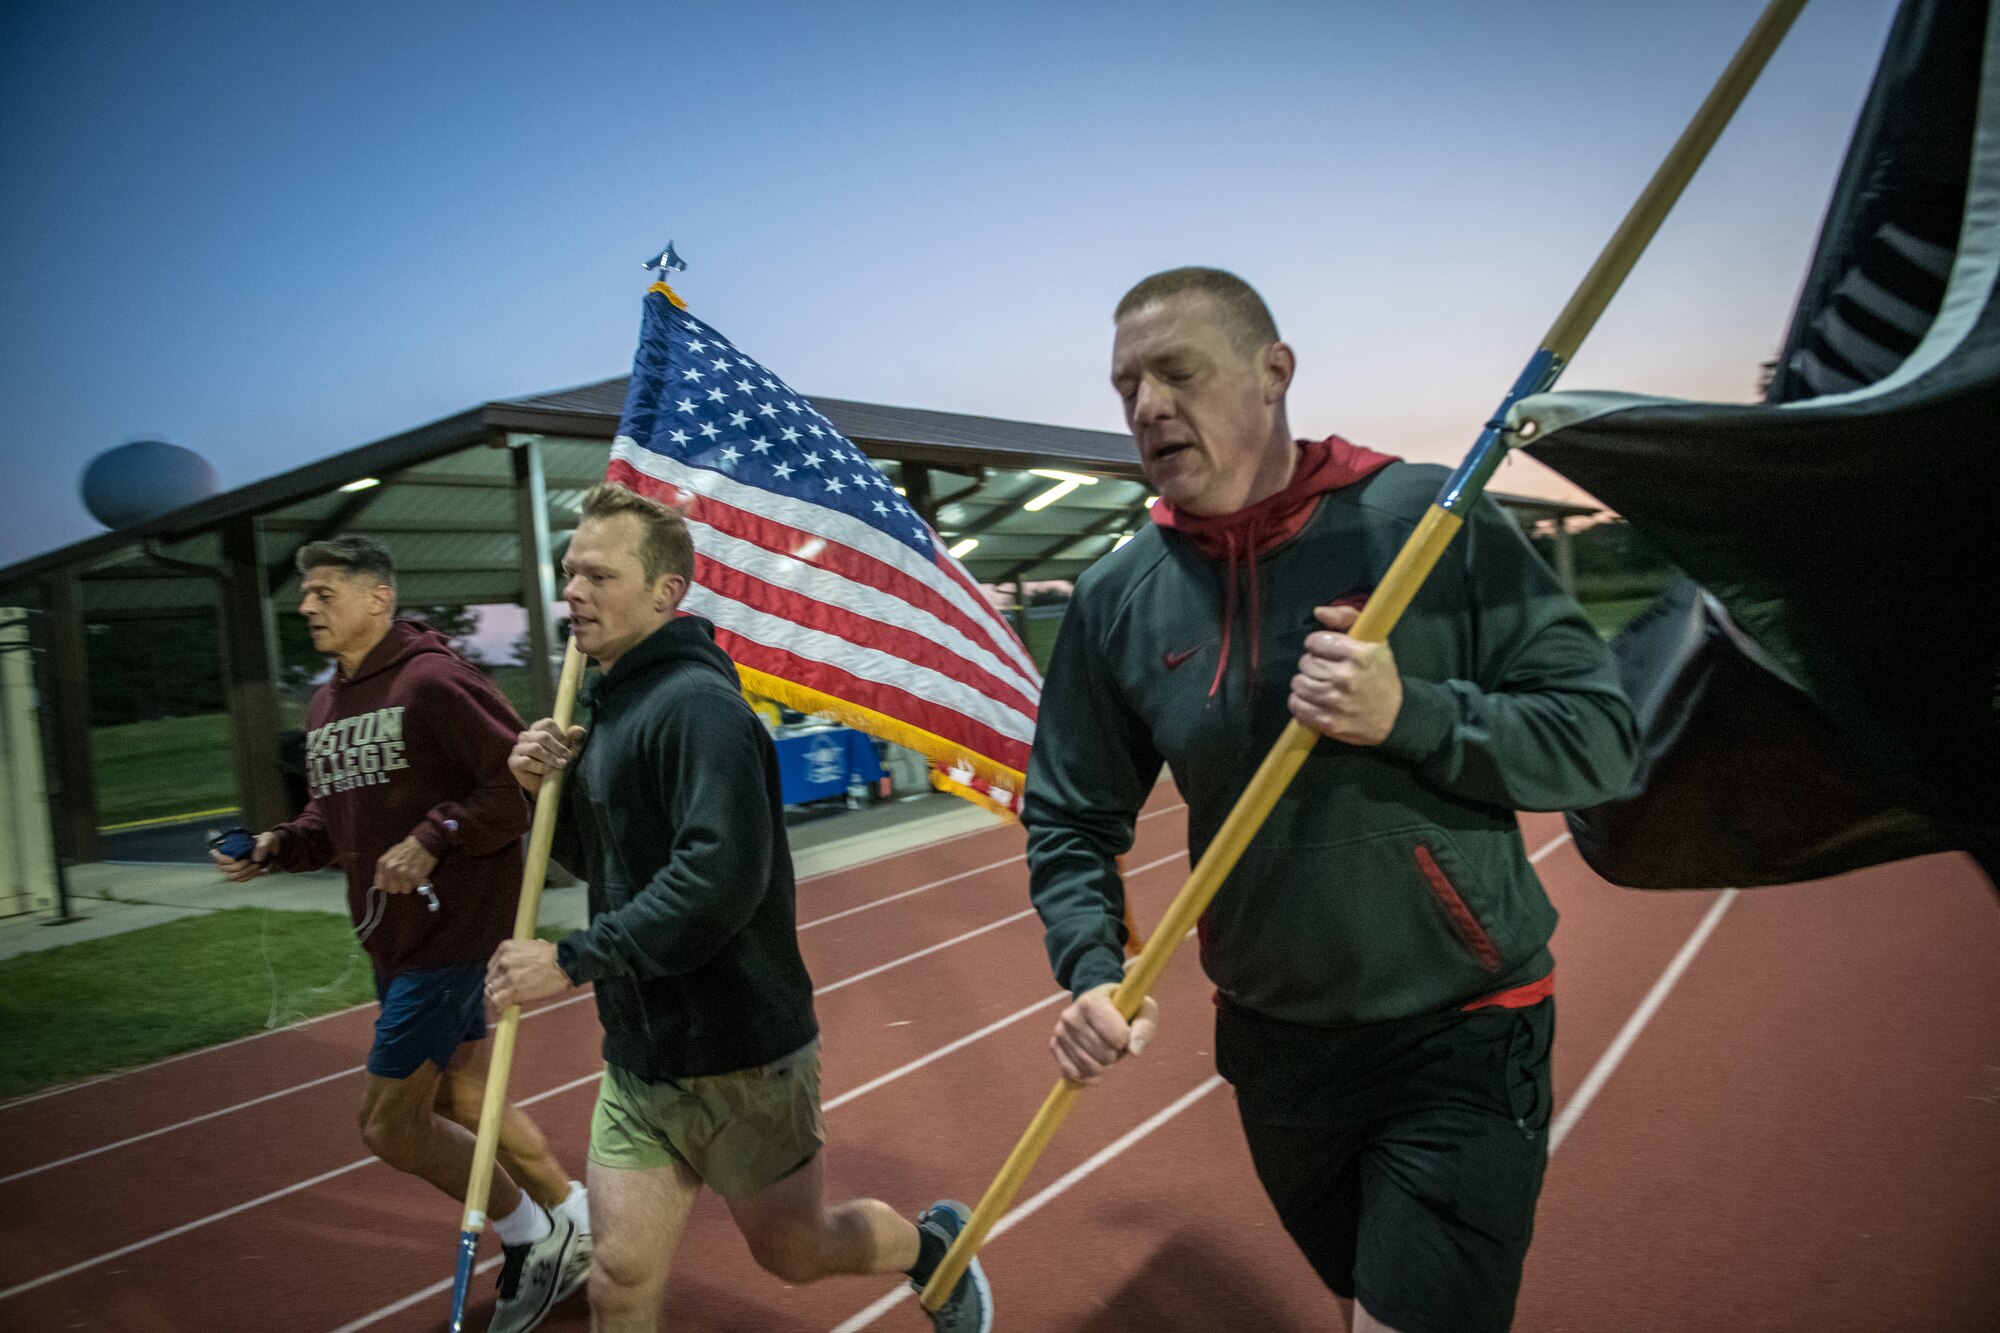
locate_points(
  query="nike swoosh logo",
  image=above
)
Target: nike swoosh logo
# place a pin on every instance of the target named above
(1175, 659)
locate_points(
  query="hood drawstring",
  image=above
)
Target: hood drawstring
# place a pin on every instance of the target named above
(1236, 540)
(1250, 540)
(1228, 610)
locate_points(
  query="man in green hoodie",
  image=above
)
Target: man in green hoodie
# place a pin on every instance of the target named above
(1384, 983)
(672, 812)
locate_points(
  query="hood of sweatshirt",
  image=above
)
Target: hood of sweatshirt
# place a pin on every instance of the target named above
(686, 638)
(406, 639)
(1235, 540)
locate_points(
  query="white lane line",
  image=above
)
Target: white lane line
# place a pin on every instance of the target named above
(925, 952)
(909, 893)
(942, 1051)
(181, 1230)
(574, 1083)
(949, 879)
(414, 1298)
(293, 1027)
(901, 1071)
(1581, 1099)
(1021, 915)
(257, 1202)
(1548, 847)
(529, 1101)
(903, 1292)
(240, 1106)
(181, 1124)
(194, 1120)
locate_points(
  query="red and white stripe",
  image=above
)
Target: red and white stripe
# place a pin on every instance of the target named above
(817, 597)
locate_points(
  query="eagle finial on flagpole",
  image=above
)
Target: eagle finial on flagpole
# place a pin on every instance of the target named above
(660, 266)
(666, 262)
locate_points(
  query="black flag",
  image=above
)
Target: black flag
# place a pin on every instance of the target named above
(1829, 697)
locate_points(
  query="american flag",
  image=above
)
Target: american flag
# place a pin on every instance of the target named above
(826, 587)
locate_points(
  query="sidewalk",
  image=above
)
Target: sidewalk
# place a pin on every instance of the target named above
(109, 898)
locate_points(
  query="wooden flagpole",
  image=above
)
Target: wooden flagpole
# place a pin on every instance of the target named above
(540, 837)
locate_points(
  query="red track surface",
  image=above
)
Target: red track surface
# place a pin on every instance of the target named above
(1805, 1135)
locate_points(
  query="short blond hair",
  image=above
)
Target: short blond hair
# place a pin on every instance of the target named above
(665, 547)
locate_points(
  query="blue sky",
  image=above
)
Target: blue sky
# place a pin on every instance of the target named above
(269, 232)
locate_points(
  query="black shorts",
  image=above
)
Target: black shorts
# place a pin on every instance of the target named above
(1404, 1158)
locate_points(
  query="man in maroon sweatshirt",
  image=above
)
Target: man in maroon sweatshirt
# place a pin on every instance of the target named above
(406, 760)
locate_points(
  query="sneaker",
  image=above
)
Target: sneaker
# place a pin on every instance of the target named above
(531, 1278)
(969, 1308)
(576, 1268)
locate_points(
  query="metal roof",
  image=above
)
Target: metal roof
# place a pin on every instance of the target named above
(445, 505)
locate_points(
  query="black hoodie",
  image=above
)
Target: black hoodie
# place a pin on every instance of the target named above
(415, 744)
(673, 814)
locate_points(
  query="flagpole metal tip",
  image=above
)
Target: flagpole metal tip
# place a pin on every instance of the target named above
(667, 261)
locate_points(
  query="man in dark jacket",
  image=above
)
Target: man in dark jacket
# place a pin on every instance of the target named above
(1384, 984)
(672, 812)
(406, 763)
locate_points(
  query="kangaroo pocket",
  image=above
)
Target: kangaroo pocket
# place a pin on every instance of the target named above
(1356, 931)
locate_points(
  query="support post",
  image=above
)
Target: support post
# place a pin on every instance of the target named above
(68, 682)
(31, 870)
(1565, 556)
(538, 585)
(250, 678)
(917, 490)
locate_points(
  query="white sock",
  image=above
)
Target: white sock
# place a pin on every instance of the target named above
(525, 1225)
(577, 1206)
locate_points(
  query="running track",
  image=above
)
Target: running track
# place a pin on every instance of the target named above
(1775, 1110)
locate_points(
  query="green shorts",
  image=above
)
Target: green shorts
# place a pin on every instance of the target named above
(739, 1132)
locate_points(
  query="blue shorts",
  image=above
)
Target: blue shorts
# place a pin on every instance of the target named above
(426, 1013)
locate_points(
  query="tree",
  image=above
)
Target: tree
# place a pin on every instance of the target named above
(146, 669)
(457, 623)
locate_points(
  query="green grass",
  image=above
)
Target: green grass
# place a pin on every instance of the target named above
(169, 767)
(101, 1005)
(1610, 616)
(146, 770)
(177, 765)
(91, 1008)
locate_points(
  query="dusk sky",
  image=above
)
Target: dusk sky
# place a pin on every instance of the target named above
(271, 232)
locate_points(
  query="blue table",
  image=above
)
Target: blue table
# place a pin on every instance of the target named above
(819, 764)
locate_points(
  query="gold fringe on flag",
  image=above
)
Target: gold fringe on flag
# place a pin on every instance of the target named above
(938, 750)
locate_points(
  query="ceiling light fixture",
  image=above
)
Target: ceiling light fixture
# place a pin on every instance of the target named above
(1065, 483)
